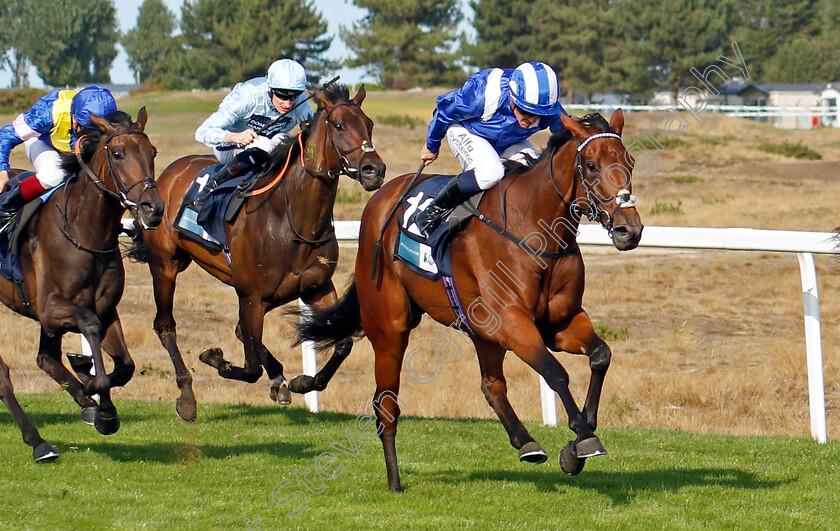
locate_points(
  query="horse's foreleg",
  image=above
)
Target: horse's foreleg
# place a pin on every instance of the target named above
(490, 359)
(49, 360)
(114, 344)
(41, 449)
(164, 273)
(526, 342)
(305, 383)
(251, 316)
(580, 338)
(107, 420)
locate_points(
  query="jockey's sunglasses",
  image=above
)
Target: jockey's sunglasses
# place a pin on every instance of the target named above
(288, 95)
(524, 113)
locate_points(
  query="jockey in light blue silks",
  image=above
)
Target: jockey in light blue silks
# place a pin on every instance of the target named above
(46, 130)
(488, 119)
(246, 128)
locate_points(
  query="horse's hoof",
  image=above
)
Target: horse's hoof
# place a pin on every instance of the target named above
(302, 383)
(88, 415)
(44, 452)
(212, 357)
(569, 461)
(590, 447)
(532, 452)
(107, 422)
(185, 409)
(281, 394)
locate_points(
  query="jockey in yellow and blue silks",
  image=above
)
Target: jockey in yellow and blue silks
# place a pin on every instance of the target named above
(488, 119)
(46, 130)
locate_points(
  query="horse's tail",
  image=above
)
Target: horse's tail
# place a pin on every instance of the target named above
(332, 325)
(136, 251)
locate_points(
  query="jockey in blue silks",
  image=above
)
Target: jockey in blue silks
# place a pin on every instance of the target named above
(488, 119)
(238, 131)
(46, 130)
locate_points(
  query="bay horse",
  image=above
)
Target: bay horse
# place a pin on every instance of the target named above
(73, 274)
(282, 244)
(522, 298)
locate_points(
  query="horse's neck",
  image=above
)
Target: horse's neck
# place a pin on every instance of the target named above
(311, 200)
(88, 206)
(532, 203)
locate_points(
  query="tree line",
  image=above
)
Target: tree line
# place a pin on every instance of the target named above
(631, 46)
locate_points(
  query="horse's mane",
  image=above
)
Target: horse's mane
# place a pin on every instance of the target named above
(280, 154)
(92, 135)
(558, 139)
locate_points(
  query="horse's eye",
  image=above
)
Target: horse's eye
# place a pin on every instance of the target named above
(117, 154)
(591, 166)
(337, 126)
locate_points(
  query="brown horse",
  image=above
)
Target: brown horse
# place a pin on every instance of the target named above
(72, 267)
(521, 298)
(282, 244)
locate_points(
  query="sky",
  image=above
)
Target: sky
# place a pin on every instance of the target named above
(336, 12)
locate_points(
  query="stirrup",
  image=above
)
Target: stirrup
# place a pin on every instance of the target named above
(428, 219)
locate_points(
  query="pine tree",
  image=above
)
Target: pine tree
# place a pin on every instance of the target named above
(407, 42)
(151, 41)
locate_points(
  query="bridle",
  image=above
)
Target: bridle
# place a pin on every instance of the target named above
(346, 167)
(120, 195)
(623, 199)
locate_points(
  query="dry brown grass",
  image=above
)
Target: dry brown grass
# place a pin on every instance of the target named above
(716, 339)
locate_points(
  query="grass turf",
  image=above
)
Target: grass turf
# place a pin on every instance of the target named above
(232, 466)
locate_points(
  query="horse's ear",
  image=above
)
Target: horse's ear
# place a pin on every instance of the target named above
(140, 124)
(617, 121)
(360, 96)
(102, 124)
(323, 101)
(574, 127)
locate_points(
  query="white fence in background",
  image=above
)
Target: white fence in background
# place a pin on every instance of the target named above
(804, 244)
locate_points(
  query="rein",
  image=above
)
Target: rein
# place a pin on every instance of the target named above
(120, 195)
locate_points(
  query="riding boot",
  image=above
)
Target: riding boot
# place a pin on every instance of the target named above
(13, 202)
(226, 173)
(444, 202)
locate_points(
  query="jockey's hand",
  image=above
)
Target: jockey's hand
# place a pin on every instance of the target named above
(241, 139)
(427, 156)
(4, 179)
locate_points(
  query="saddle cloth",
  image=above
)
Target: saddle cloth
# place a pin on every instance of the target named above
(430, 256)
(218, 206)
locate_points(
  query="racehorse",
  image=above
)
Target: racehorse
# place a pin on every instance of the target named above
(282, 244)
(73, 274)
(522, 298)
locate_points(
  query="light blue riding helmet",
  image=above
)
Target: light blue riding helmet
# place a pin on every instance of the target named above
(92, 100)
(286, 74)
(533, 88)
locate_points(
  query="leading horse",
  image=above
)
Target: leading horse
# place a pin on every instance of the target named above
(521, 298)
(282, 244)
(73, 274)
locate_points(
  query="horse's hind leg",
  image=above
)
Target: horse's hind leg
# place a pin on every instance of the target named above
(164, 273)
(490, 359)
(41, 449)
(49, 360)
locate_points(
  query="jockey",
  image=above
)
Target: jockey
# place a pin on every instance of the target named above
(488, 119)
(253, 119)
(50, 127)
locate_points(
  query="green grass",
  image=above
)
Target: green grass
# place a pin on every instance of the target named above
(796, 150)
(403, 121)
(717, 140)
(666, 208)
(608, 333)
(688, 179)
(658, 142)
(158, 472)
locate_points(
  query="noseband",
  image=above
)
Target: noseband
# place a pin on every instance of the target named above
(346, 167)
(122, 190)
(623, 199)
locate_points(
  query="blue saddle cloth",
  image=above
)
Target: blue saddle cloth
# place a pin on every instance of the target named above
(430, 256)
(9, 244)
(212, 233)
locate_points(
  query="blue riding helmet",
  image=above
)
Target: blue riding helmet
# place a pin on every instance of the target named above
(533, 88)
(92, 100)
